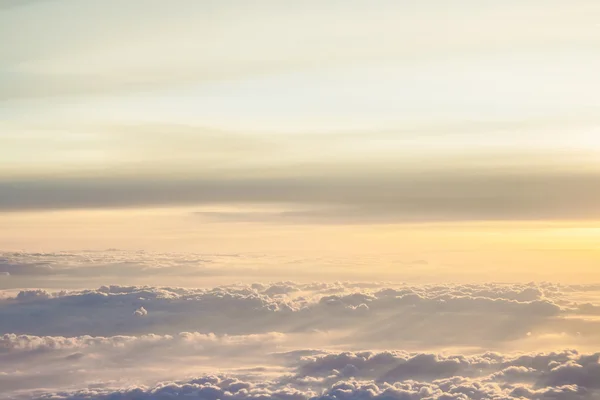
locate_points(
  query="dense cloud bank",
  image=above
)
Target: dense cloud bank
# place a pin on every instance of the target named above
(350, 390)
(435, 314)
(303, 374)
(301, 341)
(566, 375)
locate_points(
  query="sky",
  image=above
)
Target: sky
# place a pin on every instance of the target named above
(299, 200)
(284, 122)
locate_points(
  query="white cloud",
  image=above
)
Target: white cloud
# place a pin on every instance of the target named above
(436, 315)
(513, 381)
(140, 312)
(28, 343)
(302, 340)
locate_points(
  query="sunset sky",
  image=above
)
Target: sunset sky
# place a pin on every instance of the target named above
(300, 200)
(333, 126)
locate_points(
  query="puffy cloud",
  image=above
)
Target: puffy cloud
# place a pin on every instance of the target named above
(484, 315)
(31, 362)
(313, 375)
(70, 340)
(32, 295)
(223, 387)
(140, 312)
(583, 372)
(394, 366)
(13, 342)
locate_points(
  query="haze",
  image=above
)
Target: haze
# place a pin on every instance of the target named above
(299, 199)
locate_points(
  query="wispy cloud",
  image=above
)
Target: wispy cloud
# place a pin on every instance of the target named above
(351, 196)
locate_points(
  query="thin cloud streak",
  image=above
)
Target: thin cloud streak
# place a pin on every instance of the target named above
(337, 196)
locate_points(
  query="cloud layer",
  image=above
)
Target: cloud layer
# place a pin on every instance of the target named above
(566, 375)
(334, 196)
(297, 341)
(426, 314)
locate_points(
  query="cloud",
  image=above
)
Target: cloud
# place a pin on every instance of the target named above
(25, 343)
(33, 295)
(486, 315)
(9, 268)
(300, 340)
(12, 343)
(582, 372)
(140, 312)
(343, 195)
(395, 366)
(79, 269)
(454, 387)
(30, 362)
